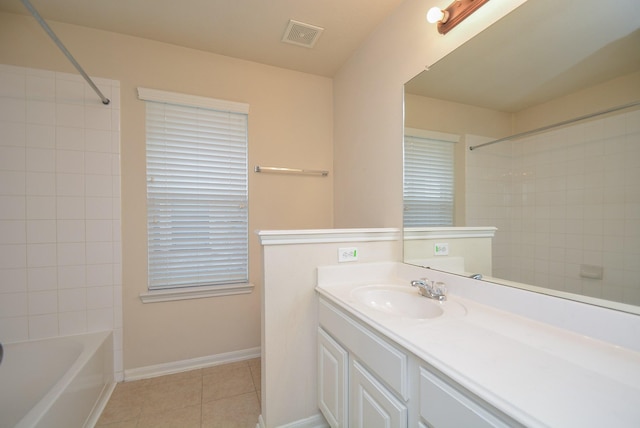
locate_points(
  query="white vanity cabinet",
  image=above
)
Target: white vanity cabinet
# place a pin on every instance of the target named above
(365, 380)
(367, 374)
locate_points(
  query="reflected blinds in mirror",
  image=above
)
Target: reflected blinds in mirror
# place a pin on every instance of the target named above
(428, 181)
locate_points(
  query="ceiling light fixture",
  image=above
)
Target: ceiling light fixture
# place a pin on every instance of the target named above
(454, 14)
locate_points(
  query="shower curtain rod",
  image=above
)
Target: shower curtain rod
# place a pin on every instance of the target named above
(556, 125)
(64, 50)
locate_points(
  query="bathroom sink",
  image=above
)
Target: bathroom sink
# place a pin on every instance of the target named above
(401, 301)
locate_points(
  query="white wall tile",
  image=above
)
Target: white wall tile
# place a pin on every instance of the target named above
(43, 326)
(99, 185)
(43, 302)
(69, 115)
(13, 305)
(71, 276)
(13, 133)
(40, 184)
(98, 117)
(13, 109)
(13, 280)
(12, 84)
(71, 254)
(70, 161)
(99, 297)
(40, 255)
(41, 112)
(99, 275)
(73, 322)
(59, 166)
(70, 208)
(40, 160)
(13, 256)
(72, 299)
(41, 136)
(41, 231)
(40, 207)
(70, 184)
(69, 138)
(42, 278)
(40, 88)
(14, 329)
(98, 141)
(13, 232)
(12, 158)
(99, 252)
(71, 230)
(99, 230)
(100, 319)
(98, 163)
(12, 207)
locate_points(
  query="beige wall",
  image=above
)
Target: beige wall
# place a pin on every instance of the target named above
(615, 92)
(368, 108)
(280, 134)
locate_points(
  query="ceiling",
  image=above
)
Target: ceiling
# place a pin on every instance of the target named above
(245, 29)
(542, 50)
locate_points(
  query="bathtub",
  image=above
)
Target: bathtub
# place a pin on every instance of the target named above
(60, 382)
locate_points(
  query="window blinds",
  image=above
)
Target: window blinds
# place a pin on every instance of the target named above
(197, 214)
(428, 182)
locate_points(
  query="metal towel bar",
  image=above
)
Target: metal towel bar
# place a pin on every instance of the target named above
(291, 170)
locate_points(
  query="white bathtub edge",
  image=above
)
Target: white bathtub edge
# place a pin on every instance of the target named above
(101, 403)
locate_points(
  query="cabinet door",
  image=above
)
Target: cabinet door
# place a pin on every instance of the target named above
(332, 380)
(371, 405)
(442, 406)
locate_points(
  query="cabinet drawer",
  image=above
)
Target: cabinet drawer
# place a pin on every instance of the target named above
(389, 364)
(442, 406)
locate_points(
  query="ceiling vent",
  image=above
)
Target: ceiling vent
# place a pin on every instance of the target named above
(301, 34)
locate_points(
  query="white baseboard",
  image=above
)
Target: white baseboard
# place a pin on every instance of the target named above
(315, 421)
(192, 364)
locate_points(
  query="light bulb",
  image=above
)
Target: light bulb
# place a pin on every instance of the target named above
(435, 14)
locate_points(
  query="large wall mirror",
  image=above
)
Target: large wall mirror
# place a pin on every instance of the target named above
(564, 200)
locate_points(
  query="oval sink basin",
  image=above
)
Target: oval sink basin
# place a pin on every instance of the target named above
(398, 300)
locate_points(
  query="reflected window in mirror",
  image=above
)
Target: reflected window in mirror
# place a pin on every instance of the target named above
(428, 191)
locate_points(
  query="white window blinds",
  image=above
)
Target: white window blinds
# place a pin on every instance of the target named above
(197, 214)
(428, 181)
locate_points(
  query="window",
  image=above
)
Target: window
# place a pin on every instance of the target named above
(197, 214)
(428, 178)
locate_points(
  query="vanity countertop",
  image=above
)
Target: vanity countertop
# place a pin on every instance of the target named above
(539, 374)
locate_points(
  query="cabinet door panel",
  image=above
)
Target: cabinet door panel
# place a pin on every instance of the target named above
(441, 406)
(371, 405)
(332, 380)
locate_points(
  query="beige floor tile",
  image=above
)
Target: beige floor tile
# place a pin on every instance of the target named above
(241, 411)
(166, 396)
(226, 381)
(186, 417)
(256, 376)
(125, 404)
(133, 423)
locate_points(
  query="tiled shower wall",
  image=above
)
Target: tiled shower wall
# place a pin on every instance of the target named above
(60, 245)
(566, 204)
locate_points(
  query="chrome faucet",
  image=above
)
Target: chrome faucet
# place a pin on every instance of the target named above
(430, 289)
(476, 276)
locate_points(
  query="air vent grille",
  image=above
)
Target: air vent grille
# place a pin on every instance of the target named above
(301, 34)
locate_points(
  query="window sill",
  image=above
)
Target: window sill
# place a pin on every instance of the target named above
(195, 292)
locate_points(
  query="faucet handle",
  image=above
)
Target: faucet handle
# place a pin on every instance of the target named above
(440, 288)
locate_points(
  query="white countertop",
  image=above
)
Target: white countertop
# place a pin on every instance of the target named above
(541, 375)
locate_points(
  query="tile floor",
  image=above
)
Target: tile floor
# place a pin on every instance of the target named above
(225, 396)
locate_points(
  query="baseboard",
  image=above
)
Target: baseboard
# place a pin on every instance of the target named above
(315, 421)
(192, 364)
